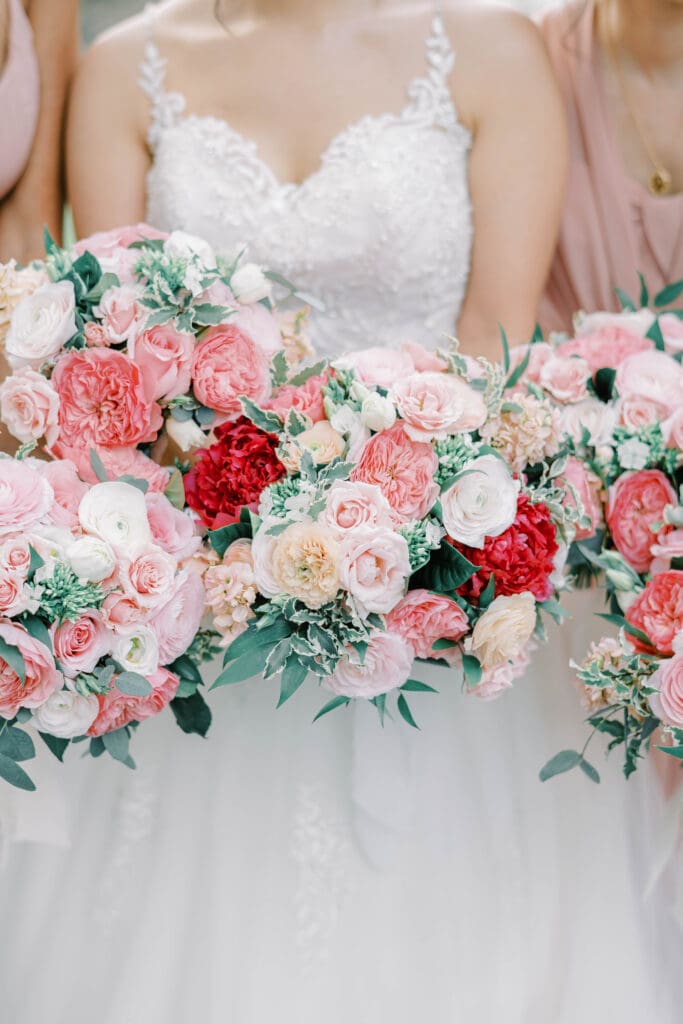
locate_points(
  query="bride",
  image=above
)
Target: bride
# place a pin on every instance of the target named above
(335, 873)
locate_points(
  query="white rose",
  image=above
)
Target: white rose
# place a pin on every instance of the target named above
(377, 413)
(633, 454)
(116, 513)
(136, 649)
(481, 503)
(66, 714)
(187, 434)
(183, 246)
(591, 415)
(91, 558)
(249, 284)
(504, 630)
(41, 324)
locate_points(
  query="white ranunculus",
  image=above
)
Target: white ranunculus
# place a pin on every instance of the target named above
(481, 503)
(91, 558)
(187, 434)
(116, 512)
(249, 284)
(187, 247)
(41, 324)
(136, 649)
(66, 714)
(377, 413)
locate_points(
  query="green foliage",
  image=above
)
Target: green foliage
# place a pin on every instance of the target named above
(192, 714)
(446, 570)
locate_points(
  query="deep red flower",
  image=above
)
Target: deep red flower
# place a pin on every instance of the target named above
(522, 558)
(232, 473)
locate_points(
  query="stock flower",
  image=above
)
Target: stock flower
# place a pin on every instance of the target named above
(305, 563)
(636, 504)
(231, 591)
(527, 433)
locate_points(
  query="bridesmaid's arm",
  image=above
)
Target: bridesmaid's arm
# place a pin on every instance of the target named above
(37, 199)
(517, 176)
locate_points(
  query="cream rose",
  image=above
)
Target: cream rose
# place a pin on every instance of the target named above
(503, 630)
(29, 406)
(116, 513)
(41, 324)
(305, 563)
(481, 503)
(322, 441)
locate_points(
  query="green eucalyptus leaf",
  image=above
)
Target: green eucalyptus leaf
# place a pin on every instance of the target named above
(132, 684)
(405, 712)
(55, 744)
(669, 294)
(17, 744)
(14, 658)
(11, 772)
(472, 670)
(192, 714)
(336, 702)
(562, 762)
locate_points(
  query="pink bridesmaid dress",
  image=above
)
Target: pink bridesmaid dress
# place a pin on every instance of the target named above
(612, 226)
(19, 98)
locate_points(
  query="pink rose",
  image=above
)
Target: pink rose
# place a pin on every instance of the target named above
(110, 248)
(403, 469)
(15, 556)
(379, 367)
(218, 294)
(171, 529)
(654, 377)
(672, 428)
(42, 677)
(79, 645)
(25, 496)
(671, 327)
(607, 347)
(177, 621)
(434, 405)
(566, 379)
(423, 359)
(306, 399)
(117, 710)
(495, 681)
(538, 357)
(636, 323)
(386, 666)
(636, 504)
(422, 618)
(102, 402)
(148, 578)
(587, 487)
(68, 489)
(29, 406)
(13, 597)
(95, 335)
(120, 314)
(636, 412)
(121, 610)
(351, 505)
(668, 703)
(375, 567)
(260, 325)
(164, 356)
(667, 547)
(228, 364)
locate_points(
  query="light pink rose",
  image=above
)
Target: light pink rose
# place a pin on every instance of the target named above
(120, 314)
(164, 356)
(122, 610)
(218, 294)
(607, 347)
(672, 429)
(171, 529)
(95, 335)
(403, 469)
(25, 496)
(667, 547)
(540, 353)
(110, 248)
(14, 598)
(117, 710)
(260, 325)
(653, 376)
(671, 327)
(120, 462)
(434, 405)
(423, 359)
(42, 677)
(422, 618)
(635, 411)
(79, 645)
(228, 364)
(68, 489)
(636, 323)
(351, 505)
(15, 556)
(306, 399)
(386, 666)
(587, 487)
(668, 703)
(375, 567)
(29, 406)
(149, 577)
(380, 367)
(177, 621)
(565, 379)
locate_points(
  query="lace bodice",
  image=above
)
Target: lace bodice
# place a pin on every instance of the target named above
(380, 233)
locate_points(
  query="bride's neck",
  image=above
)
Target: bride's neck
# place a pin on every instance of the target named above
(314, 11)
(649, 31)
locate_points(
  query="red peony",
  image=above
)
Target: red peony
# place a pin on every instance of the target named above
(658, 612)
(232, 473)
(522, 558)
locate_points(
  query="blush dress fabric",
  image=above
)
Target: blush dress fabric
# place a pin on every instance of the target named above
(19, 98)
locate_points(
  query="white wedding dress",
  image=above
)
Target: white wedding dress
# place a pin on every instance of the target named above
(335, 873)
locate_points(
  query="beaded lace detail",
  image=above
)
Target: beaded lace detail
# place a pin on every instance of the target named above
(380, 232)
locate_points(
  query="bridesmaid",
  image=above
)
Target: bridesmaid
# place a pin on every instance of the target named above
(38, 49)
(620, 67)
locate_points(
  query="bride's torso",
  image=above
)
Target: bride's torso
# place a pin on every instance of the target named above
(380, 233)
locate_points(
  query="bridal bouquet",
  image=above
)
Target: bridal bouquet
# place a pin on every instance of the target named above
(619, 382)
(99, 605)
(390, 506)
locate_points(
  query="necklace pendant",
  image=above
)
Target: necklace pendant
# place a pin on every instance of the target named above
(660, 182)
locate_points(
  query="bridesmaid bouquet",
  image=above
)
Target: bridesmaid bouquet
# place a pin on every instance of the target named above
(99, 613)
(390, 506)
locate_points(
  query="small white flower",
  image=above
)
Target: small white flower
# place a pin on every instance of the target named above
(66, 714)
(434, 534)
(136, 649)
(184, 246)
(249, 284)
(91, 558)
(377, 413)
(633, 454)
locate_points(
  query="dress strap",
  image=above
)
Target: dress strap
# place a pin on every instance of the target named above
(166, 107)
(431, 93)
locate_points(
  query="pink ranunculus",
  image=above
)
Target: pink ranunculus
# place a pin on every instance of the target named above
(607, 347)
(587, 487)
(177, 621)
(422, 618)
(228, 364)
(566, 379)
(672, 428)
(668, 703)
(25, 496)
(164, 356)
(120, 314)
(351, 505)
(434, 405)
(121, 609)
(148, 578)
(658, 612)
(403, 469)
(260, 325)
(42, 676)
(171, 529)
(117, 710)
(68, 489)
(636, 504)
(29, 406)
(306, 399)
(111, 249)
(654, 377)
(423, 358)
(102, 402)
(380, 367)
(671, 327)
(386, 666)
(79, 645)
(667, 547)
(375, 567)
(539, 355)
